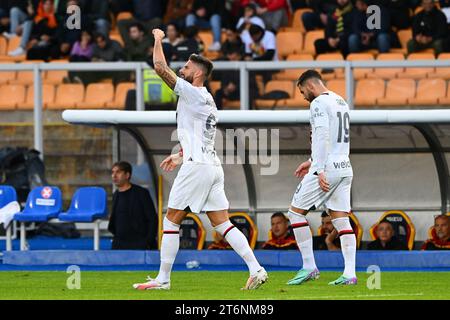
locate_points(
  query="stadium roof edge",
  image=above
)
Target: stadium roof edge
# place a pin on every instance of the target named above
(151, 118)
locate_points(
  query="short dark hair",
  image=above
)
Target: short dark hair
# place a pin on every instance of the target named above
(279, 214)
(124, 166)
(137, 25)
(204, 62)
(308, 74)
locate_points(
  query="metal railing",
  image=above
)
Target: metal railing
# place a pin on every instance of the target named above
(243, 67)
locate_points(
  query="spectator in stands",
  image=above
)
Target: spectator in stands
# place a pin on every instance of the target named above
(177, 11)
(338, 29)
(44, 44)
(147, 12)
(364, 38)
(429, 29)
(137, 48)
(219, 243)
(440, 236)
(206, 14)
(386, 239)
(282, 238)
(97, 13)
(133, 220)
(21, 23)
(232, 43)
(319, 17)
(260, 45)
(190, 44)
(250, 17)
(173, 36)
(329, 239)
(275, 13)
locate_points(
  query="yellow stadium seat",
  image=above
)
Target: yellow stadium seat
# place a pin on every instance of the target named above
(67, 96)
(398, 92)
(48, 96)
(120, 95)
(360, 73)
(417, 73)
(284, 85)
(11, 95)
(429, 91)
(387, 73)
(289, 42)
(368, 91)
(310, 38)
(97, 96)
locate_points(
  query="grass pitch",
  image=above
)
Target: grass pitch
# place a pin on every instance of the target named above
(193, 285)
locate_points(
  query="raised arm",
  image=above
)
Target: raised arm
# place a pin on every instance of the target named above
(159, 61)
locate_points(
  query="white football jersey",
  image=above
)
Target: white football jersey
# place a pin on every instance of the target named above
(197, 118)
(331, 111)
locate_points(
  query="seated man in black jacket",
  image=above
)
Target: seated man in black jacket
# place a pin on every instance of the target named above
(386, 239)
(429, 29)
(133, 220)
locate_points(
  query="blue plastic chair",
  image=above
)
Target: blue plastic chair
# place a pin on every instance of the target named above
(7, 195)
(88, 205)
(43, 204)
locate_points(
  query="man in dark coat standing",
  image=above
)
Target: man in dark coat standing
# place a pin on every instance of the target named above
(133, 221)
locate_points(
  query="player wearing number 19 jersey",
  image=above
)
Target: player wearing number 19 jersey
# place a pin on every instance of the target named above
(326, 178)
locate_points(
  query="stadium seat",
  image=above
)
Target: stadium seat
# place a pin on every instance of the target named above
(283, 85)
(310, 37)
(43, 204)
(88, 205)
(418, 73)
(429, 91)
(11, 96)
(297, 102)
(368, 91)
(293, 74)
(245, 224)
(387, 73)
(120, 95)
(356, 226)
(297, 21)
(7, 76)
(337, 86)
(337, 73)
(192, 233)
(441, 72)
(289, 42)
(97, 96)
(398, 92)
(403, 227)
(67, 96)
(360, 73)
(48, 96)
(446, 100)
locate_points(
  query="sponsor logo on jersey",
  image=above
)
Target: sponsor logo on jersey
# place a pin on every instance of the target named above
(342, 165)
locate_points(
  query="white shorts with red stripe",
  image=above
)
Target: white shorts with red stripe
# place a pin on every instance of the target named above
(309, 195)
(199, 187)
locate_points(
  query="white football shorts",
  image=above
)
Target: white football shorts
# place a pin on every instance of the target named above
(199, 187)
(309, 196)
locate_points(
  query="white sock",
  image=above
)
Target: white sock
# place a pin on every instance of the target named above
(303, 236)
(239, 243)
(170, 244)
(348, 245)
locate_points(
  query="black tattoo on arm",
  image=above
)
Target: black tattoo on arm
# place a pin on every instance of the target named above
(167, 74)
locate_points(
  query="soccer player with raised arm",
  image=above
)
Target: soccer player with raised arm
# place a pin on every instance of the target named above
(199, 184)
(326, 178)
